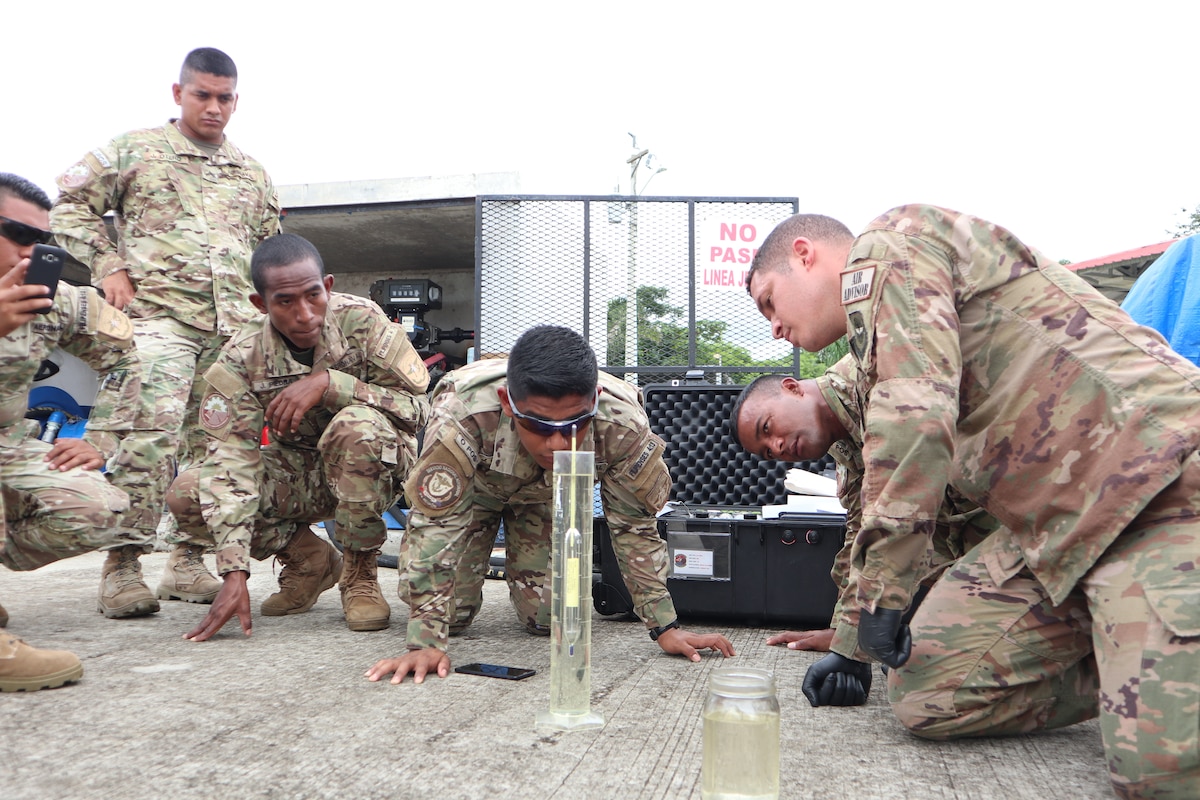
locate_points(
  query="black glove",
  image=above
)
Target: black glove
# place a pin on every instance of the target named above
(837, 681)
(881, 636)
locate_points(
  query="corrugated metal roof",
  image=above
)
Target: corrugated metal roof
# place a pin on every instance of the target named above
(1137, 254)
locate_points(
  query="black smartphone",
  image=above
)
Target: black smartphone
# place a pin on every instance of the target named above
(496, 671)
(45, 268)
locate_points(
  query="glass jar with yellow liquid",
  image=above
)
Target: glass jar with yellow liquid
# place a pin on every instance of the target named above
(741, 736)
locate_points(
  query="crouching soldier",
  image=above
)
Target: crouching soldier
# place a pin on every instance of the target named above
(342, 391)
(488, 456)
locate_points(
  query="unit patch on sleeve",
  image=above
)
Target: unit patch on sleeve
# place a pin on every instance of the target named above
(857, 284)
(438, 487)
(214, 412)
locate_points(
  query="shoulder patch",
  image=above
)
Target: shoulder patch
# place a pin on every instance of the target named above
(648, 450)
(857, 285)
(436, 488)
(215, 414)
(76, 176)
(111, 323)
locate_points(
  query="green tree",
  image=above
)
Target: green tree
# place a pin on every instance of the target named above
(663, 340)
(1190, 226)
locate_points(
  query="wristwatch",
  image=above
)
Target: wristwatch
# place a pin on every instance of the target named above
(657, 632)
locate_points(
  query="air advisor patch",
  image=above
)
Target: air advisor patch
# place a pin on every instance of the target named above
(439, 487)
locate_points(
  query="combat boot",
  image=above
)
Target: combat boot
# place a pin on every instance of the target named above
(123, 593)
(362, 601)
(186, 578)
(310, 566)
(27, 669)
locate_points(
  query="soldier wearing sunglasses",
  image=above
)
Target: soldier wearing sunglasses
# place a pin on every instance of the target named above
(54, 501)
(488, 456)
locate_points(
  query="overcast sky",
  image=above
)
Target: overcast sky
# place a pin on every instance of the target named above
(1074, 124)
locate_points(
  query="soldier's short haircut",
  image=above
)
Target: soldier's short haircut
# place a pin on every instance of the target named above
(15, 186)
(772, 256)
(280, 251)
(768, 385)
(207, 60)
(549, 361)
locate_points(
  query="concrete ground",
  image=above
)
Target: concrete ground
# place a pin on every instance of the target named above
(286, 713)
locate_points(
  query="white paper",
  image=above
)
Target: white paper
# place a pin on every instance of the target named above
(693, 562)
(801, 481)
(804, 504)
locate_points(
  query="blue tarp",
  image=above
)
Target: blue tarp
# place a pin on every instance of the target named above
(1166, 297)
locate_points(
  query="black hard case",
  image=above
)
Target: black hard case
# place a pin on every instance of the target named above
(762, 570)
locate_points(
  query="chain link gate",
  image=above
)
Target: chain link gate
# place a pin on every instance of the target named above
(577, 261)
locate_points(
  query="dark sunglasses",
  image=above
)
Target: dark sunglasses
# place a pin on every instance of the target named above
(546, 427)
(22, 234)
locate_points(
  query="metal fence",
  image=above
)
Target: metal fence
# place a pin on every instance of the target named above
(655, 284)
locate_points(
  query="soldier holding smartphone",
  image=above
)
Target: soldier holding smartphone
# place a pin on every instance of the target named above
(56, 502)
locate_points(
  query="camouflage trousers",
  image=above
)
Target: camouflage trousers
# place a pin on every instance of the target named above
(345, 479)
(464, 543)
(174, 357)
(49, 515)
(993, 656)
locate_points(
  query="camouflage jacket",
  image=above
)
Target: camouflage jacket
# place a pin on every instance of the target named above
(988, 366)
(186, 223)
(472, 448)
(961, 523)
(82, 324)
(370, 362)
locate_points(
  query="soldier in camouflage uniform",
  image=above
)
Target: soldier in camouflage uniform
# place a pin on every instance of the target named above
(779, 417)
(488, 456)
(987, 365)
(342, 390)
(189, 209)
(55, 502)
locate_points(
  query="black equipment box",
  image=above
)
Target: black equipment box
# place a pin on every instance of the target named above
(726, 560)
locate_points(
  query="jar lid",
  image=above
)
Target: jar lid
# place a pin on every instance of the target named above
(742, 682)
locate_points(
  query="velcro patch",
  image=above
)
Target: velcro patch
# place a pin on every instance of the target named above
(271, 384)
(857, 285)
(220, 378)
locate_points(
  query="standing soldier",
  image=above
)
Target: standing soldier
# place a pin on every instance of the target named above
(54, 501)
(189, 208)
(488, 455)
(342, 390)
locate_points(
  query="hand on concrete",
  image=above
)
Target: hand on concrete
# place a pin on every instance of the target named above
(837, 681)
(804, 640)
(68, 453)
(686, 643)
(232, 600)
(118, 289)
(419, 662)
(289, 406)
(17, 301)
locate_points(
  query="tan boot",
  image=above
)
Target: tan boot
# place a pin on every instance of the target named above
(3, 617)
(123, 593)
(362, 601)
(186, 578)
(27, 669)
(310, 566)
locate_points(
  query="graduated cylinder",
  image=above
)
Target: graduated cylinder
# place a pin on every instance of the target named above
(571, 594)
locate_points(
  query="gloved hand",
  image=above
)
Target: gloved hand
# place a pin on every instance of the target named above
(837, 681)
(881, 636)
